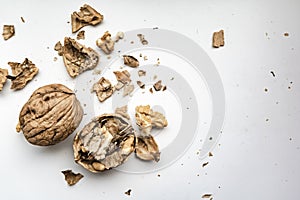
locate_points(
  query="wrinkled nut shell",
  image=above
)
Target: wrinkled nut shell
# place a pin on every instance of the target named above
(104, 143)
(50, 115)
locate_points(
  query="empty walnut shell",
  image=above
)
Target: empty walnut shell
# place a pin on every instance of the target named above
(50, 115)
(104, 143)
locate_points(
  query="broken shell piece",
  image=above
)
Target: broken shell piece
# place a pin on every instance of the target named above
(71, 177)
(119, 36)
(86, 16)
(146, 148)
(104, 143)
(8, 31)
(103, 89)
(119, 85)
(106, 43)
(128, 89)
(59, 48)
(141, 84)
(3, 74)
(123, 76)
(142, 73)
(123, 112)
(22, 73)
(130, 61)
(218, 39)
(142, 39)
(147, 119)
(78, 58)
(80, 35)
(50, 115)
(157, 86)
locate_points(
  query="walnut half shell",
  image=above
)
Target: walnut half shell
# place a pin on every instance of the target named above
(104, 143)
(50, 115)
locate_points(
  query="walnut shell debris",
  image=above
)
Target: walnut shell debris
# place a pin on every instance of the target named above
(130, 61)
(8, 31)
(123, 76)
(104, 143)
(71, 177)
(103, 89)
(218, 39)
(146, 148)
(158, 86)
(80, 35)
(22, 73)
(106, 43)
(123, 112)
(147, 119)
(50, 115)
(86, 16)
(78, 58)
(3, 74)
(128, 89)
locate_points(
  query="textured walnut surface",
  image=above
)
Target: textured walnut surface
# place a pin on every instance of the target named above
(8, 31)
(218, 39)
(22, 73)
(103, 89)
(130, 61)
(86, 16)
(3, 74)
(50, 115)
(71, 177)
(106, 43)
(123, 76)
(78, 58)
(122, 111)
(146, 148)
(104, 143)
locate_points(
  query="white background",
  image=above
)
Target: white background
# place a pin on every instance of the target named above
(258, 154)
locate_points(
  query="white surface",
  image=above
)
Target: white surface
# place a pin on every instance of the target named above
(255, 158)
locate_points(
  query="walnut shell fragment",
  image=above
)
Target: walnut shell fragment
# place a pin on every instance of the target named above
(71, 177)
(123, 76)
(8, 31)
(218, 39)
(80, 35)
(147, 119)
(50, 115)
(158, 86)
(131, 61)
(146, 148)
(122, 111)
(106, 43)
(128, 89)
(103, 89)
(86, 16)
(78, 58)
(3, 74)
(22, 73)
(104, 143)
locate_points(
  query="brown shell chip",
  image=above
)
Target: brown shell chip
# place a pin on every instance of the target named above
(106, 43)
(104, 143)
(86, 16)
(71, 177)
(78, 58)
(22, 73)
(146, 148)
(3, 74)
(158, 86)
(218, 39)
(50, 115)
(131, 61)
(8, 31)
(80, 35)
(103, 89)
(123, 112)
(123, 76)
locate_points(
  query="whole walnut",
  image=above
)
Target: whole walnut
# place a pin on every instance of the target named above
(50, 115)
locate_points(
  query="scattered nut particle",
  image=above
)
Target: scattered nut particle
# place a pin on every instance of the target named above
(86, 16)
(123, 76)
(164, 88)
(158, 62)
(119, 36)
(142, 73)
(22, 19)
(8, 31)
(267, 119)
(210, 138)
(158, 175)
(273, 74)
(106, 43)
(122, 111)
(130, 61)
(119, 85)
(128, 192)
(59, 48)
(141, 55)
(145, 58)
(210, 154)
(142, 39)
(289, 87)
(172, 78)
(218, 39)
(128, 89)
(78, 58)
(266, 89)
(81, 35)
(154, 77)
(157, 86)
(286, 34)
(22, 73)
(71, 177)
(3, 78)
(96, 71)
(204, 164)
(103, 89)
(206, 195)
(141, 84)
(151, 90)
(55, 59)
